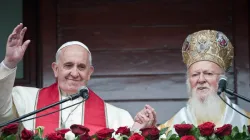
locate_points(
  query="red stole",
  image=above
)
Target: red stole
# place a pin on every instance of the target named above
(94, 111)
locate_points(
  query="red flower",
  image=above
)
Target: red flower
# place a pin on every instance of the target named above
(183, 129)
(10, 129)
(104, 133)
(54, 136)
(151, 132)
(26, 134)
(207, 128)
(248, 128)
(225, 130)
(136, 136)
(188, 137)
(79, 129)
(123, 131)
(62, 132)
(112, 139)
(85, 137)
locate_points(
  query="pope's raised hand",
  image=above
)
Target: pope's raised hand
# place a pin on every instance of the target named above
(15, 48)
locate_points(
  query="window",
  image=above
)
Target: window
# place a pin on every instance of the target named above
(11, 15)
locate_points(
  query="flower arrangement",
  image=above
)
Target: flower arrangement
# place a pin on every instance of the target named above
(205, 131)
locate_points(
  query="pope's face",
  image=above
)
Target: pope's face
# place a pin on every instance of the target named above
(203, 78)
(73, 68)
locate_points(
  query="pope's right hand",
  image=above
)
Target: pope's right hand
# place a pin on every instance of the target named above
(15, 48)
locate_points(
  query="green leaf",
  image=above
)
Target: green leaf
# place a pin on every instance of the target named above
(227, 138)
(173, 137)
(10, 137)
(235, 131)
(40, 130)
(124, 137)
(37, 137)
(237, 136)
(169, 134)
(163, 131)
(77, 138)
(147, 138)
(183, 122)
(247, 138)
(195, 132)
(213, 137)
(243, 134)
(202, 138)
(245, 129)
(3, 136)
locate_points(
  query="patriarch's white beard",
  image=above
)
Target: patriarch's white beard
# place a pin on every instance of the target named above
(205, 107)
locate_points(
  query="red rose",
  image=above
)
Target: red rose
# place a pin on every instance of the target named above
(151, 132)
(104, 133)
(26, 134)
(225, 130)
(183, 129)
(136, 136)
(123, 130)
(188, 137)
(10, 129)
(85, 137)
(248, 128)
(54, 136)
(207, 128)
(112, 139)
(62, 132)
(79, 129)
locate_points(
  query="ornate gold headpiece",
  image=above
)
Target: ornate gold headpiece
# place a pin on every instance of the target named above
(208, 45)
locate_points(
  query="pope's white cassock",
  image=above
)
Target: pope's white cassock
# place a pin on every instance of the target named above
(229, 117)
(17, 101)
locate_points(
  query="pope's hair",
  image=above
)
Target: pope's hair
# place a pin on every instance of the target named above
(59, 52)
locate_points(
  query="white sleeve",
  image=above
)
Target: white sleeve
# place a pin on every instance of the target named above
(2, 63)
(118, 117)
(126, 119)
(7, 78)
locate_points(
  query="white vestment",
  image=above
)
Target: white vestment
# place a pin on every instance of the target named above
(230, 117)
(17, 101)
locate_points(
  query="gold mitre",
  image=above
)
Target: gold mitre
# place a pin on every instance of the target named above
(208, 45)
